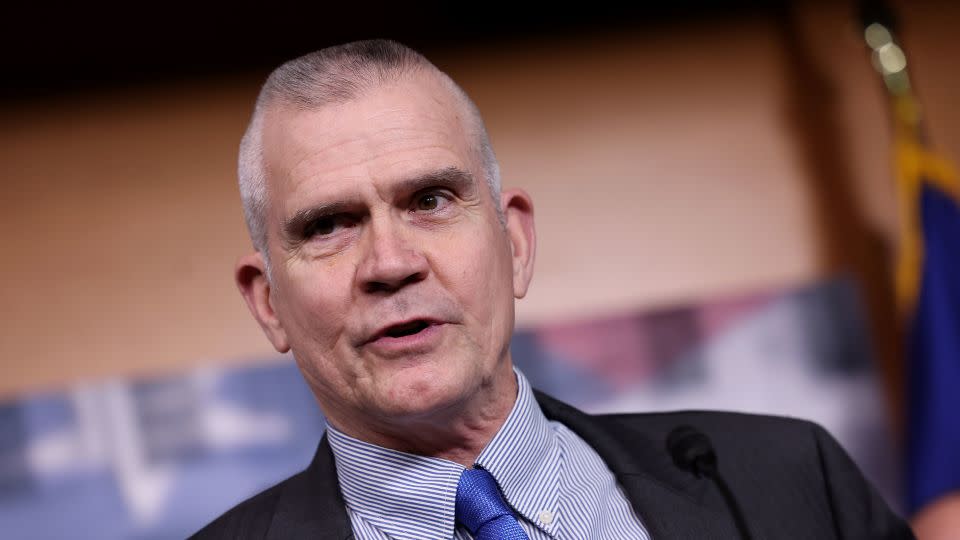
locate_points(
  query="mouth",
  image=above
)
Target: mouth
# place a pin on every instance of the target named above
(404, 329)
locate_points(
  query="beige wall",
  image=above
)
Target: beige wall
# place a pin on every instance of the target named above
(695, 162)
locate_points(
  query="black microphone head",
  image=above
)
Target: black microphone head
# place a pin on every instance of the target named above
(691, 450)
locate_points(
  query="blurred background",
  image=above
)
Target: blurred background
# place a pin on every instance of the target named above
(716, 191)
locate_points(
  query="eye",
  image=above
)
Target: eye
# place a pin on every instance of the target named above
(325, 226)
(430, 202)
(322, 226)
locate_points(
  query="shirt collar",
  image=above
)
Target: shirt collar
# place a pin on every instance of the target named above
(400, 492)
(404, 495)
(518, 457)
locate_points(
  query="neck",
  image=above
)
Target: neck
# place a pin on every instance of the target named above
(458, 432)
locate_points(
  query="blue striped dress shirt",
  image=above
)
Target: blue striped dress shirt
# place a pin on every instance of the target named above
(556, 483)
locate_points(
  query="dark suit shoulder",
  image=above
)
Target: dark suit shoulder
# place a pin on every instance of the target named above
(813, 470)
(775, 435)
(746, 440)
(306, 505)
(667, 420)
(248, 519)
(656, 425)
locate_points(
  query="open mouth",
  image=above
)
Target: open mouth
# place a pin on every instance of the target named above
(406, 329)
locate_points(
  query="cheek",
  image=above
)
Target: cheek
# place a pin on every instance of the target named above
(314, 317)
(484, 279)
(313, 309)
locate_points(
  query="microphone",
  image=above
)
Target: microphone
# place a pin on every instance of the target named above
(692, 451)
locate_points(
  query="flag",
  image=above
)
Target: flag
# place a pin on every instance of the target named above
(928, 287)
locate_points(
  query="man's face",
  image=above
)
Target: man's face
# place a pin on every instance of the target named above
(393, 280)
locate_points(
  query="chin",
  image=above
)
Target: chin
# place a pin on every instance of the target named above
(414, 393)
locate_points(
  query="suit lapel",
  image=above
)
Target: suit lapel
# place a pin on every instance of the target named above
(311, 505)
(670, 502)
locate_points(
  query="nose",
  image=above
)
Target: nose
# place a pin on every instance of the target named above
(392, 258)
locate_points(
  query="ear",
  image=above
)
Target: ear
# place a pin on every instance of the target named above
(518, 212)
(251, 277)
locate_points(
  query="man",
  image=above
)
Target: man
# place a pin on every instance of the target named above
(388, 260)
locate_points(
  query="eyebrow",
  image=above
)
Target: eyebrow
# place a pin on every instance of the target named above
(453, 178)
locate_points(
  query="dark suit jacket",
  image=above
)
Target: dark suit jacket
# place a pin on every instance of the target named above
(790, 477)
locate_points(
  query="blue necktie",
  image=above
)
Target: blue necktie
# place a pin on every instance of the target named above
(482, 510)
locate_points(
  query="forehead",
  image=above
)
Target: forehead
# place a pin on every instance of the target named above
(402, 128)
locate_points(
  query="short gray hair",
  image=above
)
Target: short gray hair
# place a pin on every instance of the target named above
(331, 76)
